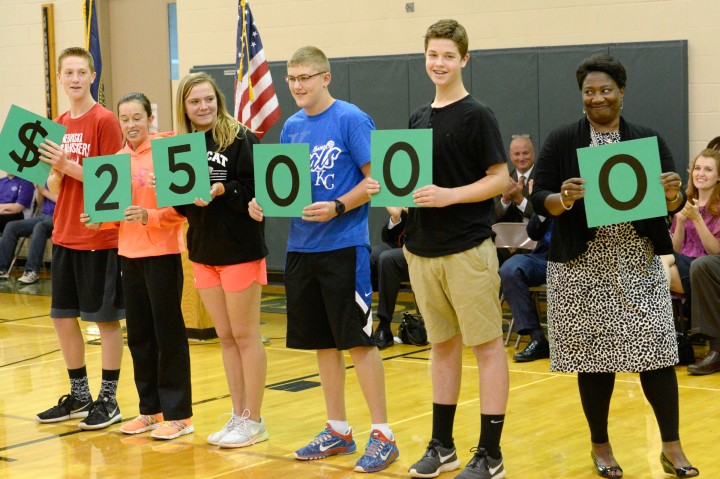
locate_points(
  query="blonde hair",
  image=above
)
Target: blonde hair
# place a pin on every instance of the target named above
(225, 129)
(712, 205)
(309, 56)
(76, 52)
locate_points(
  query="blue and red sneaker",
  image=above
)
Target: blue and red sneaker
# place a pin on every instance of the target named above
(380, 452)
(327, 443)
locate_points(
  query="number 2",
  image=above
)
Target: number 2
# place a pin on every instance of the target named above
(101, 204)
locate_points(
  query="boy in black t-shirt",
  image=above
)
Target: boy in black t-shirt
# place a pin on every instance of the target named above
(452, 259)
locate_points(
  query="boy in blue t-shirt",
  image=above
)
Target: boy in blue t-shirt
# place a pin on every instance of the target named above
(328, 294)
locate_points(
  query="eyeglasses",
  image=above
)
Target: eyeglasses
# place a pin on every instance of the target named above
(520, 135)
(303, 79)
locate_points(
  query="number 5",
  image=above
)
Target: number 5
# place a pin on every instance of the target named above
(181, 166)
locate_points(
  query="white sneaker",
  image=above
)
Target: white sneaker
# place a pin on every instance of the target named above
(246, 433)
(216, 437)
(29, 277)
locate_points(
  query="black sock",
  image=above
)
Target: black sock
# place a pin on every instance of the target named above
(538, 335)
(384, 324)
(79, 386)
(443, 420)
(110, 378)
(491, 426)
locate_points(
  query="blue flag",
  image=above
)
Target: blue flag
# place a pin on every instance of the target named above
(92, 44)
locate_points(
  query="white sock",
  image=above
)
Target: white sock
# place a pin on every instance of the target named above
(340, 426)
(385, 429)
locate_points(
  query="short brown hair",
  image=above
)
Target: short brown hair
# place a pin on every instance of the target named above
(451, 30)
(309, 56)
(76, 52)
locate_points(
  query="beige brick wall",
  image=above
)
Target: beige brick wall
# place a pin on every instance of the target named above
(344, 28)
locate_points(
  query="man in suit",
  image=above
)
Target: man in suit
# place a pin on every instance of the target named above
(513, 205)
(388, 270)
(517, 274)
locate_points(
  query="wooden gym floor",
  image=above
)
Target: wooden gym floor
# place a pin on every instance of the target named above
(545, 434)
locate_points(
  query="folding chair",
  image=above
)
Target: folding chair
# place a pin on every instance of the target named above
(513, 236)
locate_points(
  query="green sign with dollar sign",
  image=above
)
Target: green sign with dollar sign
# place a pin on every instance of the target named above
(22, 133)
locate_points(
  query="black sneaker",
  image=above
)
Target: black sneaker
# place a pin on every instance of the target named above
(105, 411)
(482, 466)
(68, 407)
(436, 459)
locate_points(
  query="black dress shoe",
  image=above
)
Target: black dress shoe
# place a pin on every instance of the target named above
(383, 338)
(707, 365)
(534, 350)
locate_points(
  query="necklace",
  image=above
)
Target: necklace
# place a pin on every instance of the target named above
(598, 139)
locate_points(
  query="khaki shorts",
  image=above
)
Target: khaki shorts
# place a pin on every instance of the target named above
(459, 294)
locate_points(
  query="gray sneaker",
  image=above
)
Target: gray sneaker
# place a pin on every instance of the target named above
(4, 274)
(29, 277)
(482, 466)
(436, 459)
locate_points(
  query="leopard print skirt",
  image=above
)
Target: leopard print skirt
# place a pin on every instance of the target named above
(609, 309)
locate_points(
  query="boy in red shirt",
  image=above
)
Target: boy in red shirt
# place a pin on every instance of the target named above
(85, 266)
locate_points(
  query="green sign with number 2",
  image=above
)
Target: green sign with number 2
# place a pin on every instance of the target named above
(107, 187)
(181, 169)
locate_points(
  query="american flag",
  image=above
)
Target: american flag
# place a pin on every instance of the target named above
(256, 105)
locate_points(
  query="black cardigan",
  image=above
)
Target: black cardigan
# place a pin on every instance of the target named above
(558, 161)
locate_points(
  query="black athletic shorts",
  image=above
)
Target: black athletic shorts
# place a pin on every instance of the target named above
(328, 299)
(86, 284)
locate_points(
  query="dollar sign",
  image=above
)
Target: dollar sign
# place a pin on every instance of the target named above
(30, 148)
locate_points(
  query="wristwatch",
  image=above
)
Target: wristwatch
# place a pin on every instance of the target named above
(339, 207)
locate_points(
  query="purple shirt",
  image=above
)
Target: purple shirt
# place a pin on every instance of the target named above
(16, 190)
(692, 246)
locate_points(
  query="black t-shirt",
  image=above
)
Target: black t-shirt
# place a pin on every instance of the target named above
(466, 142)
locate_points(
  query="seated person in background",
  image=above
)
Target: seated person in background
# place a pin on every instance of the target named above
(388, 270)
(705, 279)
(15, 195)
(39, 227)
(517, 274)
(513, 205)
(696, 229)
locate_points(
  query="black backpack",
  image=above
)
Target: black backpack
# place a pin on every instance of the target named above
(412, 330)
(686, 353)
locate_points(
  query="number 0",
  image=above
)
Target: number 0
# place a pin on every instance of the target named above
(604, 182)
(294, 180)
(414, 168)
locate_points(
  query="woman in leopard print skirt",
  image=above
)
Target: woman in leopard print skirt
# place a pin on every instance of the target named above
(608, 300)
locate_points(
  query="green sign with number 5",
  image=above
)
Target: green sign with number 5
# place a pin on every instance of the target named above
(181, 169)
(107, 187)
